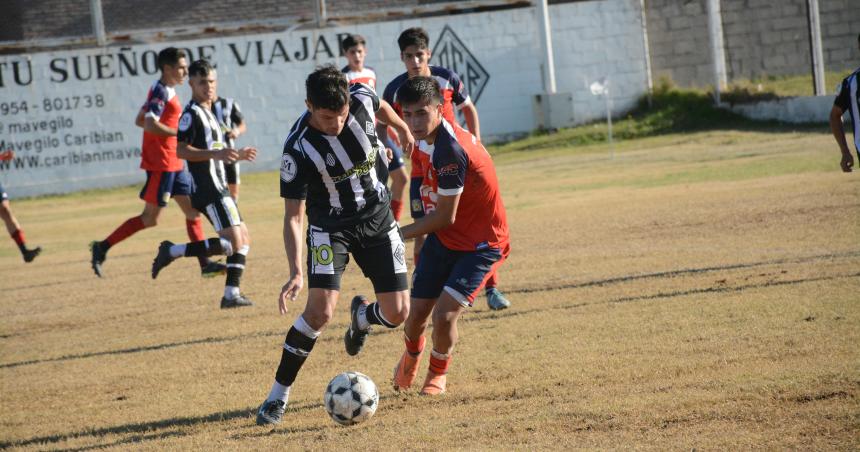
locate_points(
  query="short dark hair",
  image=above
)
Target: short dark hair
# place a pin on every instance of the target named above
(170, 55)
(327, 88)
(419, 89)
(415, 36)
(352, 41)
(200, 68)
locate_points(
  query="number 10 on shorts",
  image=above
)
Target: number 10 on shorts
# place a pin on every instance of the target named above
(322, 255)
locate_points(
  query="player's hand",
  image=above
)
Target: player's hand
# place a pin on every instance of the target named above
(406, 139)
(847, 162)
(232, 134)
(228, 155)
(389, 154)
(248, 153)
(289, 292)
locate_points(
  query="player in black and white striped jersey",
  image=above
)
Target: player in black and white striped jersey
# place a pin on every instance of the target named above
(233, 124)
(333, 167)
(201, 143)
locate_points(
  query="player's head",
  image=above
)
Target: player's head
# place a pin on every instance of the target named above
(415, 51)
(203, 80)
(173, 65)
(327, 99)
(420, 99)
(354, 49)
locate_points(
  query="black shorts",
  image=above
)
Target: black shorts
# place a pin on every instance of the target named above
(222, 213)
(231, 172)
(378, 249)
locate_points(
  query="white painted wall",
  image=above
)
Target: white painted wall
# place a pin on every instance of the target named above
(591, 40)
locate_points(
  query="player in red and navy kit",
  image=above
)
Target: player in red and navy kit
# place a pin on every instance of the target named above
(467, 232)
(166, 176)
(415, 53)
(354, 47)
(12, 225)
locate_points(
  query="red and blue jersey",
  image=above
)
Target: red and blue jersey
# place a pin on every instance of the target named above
(457, 163)
(453, 91)
(158, 152)
(366, 76)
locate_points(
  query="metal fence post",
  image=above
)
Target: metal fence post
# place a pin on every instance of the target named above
(98, 22)
(815, 47)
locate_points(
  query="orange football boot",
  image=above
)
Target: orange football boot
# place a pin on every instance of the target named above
(434, 384)
(406, 370)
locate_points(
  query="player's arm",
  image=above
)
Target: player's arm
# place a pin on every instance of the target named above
(294, 211)
(193, 154)
(239, 123)
(839, 133)
(440, 218)
(387, 115)
(138, 120)
(470, 113)
(151, 125)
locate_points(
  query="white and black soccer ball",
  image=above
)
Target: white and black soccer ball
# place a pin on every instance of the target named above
(350, 398)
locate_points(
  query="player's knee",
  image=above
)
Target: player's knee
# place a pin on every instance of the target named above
(318, 319)
(5, 213)
(149, 220)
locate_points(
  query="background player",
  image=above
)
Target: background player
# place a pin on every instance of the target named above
(233, 124)
(201, 143)
(355, 49)
(846, 102)
(467, 232)
(415, 53)
(329, 165)
(12, 224)
(166, 176)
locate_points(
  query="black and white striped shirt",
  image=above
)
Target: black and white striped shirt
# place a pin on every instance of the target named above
(199, 128)
(229, 115)
(338, 176)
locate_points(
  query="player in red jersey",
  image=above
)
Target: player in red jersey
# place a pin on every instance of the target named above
(166, 176)
(355, 49)
(415, 53)
(467, 232)
(12, 225)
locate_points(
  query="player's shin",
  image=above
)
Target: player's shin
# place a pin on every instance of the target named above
(297, 346)
(235, 268)
(195, 234)
(205, 248)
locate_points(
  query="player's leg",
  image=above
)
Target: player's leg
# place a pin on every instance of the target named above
(222, 213)
(14, 229)
(429, 277)
(496, 300)
(327, 258)
(467, 276)
(241, 240)
(231, 172)
(155, 194)
(379, 251)
(194, 229)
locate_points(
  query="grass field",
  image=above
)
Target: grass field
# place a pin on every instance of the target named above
(701, 291)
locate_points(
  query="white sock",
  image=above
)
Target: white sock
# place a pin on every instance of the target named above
(177, 250)
(303, 327)
(228, 247)
(363, 324)
(231, 292)
(279, 392)
(437, 355)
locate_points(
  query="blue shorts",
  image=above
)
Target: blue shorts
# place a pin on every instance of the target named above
(160, 186)
(459, 273)
(3, 195)
(396, 158)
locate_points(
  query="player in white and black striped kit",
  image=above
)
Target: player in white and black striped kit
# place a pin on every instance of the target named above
(201, 143)
(332, 167)
(233, 124)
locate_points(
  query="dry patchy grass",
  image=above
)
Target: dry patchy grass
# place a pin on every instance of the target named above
(700, 291)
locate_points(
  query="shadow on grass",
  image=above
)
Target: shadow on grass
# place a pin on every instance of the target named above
(478, 316)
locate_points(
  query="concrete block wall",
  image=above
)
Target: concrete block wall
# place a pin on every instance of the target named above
(591, 40)
(762, 37)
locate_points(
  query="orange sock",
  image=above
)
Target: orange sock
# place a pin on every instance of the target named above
(415, 347)
(439, 362)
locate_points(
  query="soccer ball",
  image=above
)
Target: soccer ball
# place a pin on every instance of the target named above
(350, 398)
